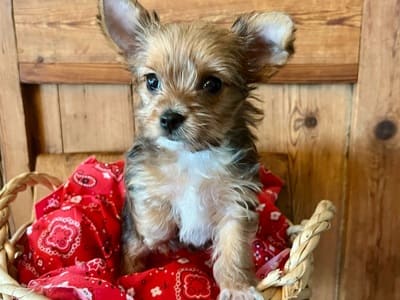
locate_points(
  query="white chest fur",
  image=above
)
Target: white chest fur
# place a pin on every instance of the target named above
(195, 181)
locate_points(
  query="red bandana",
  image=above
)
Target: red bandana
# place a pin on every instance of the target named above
(72, 251)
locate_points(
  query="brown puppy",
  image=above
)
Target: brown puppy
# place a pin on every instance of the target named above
(192, 173)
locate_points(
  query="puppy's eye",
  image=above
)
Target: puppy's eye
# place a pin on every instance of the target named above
(211, 84)
(152, 82)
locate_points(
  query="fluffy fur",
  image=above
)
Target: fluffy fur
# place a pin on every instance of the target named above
(195, 181)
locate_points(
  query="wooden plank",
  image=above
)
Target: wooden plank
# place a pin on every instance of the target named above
(96, 118)
(119, 73)
(13, 140)
(371, 266)
(48, 119)
(43, 118)
(55, 33)
(310, 124)
(76, 73)
(62, 166)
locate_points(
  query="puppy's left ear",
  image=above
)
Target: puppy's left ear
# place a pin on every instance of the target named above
(268, 41)
(127, 23)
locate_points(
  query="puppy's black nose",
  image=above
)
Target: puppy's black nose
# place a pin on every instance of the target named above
(171, 120)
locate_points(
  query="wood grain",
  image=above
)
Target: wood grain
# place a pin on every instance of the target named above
(310, 123)
(13, 140)
(118, 73)
(55, 33)
(96, 118)
(371, 266)
(62, 166)
(77, 73)
(43, 119)
(49, 119)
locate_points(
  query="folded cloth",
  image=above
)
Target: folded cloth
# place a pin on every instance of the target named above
(72, 251)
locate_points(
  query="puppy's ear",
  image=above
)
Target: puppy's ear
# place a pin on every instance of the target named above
(268, 41)
(127, 23)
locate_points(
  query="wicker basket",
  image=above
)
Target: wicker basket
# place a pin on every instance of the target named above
(291, 283)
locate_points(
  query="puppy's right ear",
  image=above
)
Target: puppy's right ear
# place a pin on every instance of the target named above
(126, 23)
(267, 39)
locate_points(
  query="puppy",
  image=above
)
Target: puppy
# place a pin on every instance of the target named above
(192, 173)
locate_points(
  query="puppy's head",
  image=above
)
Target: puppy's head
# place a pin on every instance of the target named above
(193, 79)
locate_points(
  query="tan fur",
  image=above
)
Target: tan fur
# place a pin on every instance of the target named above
(195, 183)
(180, 65)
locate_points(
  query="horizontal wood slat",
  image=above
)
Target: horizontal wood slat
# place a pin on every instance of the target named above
(119, 74)
(60, 41)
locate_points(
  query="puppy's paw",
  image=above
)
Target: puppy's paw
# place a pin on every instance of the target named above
(131, 265)
(246, 294)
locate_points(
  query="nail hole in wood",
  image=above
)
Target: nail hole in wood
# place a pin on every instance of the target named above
(39, 59)
(310, 121)
(385, 130)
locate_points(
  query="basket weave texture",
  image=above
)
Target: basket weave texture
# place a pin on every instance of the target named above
(293, 282)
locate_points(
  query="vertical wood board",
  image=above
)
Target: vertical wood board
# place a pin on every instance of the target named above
(13, 141)
(48, 119)
(371, 266)
(42, 118)
(310, 123)
(96, 118)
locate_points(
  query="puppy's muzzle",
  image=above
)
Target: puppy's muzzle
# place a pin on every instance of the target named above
(171, 121)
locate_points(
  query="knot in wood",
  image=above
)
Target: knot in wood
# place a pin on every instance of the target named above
(40, 59)
(310, 121)
(385, 130)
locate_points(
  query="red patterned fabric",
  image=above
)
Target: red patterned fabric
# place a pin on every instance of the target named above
(72, 251)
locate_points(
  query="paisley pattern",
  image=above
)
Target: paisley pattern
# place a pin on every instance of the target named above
(78, 222)
(84, 180)
(62, 237)
(195, 284)
(72, 250)
(113, 170)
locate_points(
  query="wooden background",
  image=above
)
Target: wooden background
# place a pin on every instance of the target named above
(334, 113)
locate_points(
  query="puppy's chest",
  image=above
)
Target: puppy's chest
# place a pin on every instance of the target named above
(194, 182)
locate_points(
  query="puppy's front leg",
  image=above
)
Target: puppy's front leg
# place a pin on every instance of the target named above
(145, 227)
(133, 248)
(233, 267)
